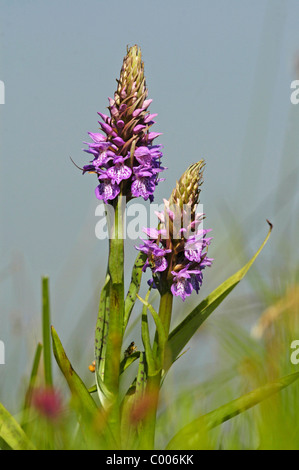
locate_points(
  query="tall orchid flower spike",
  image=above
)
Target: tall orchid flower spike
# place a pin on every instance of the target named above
(178, 251)
(125, 159)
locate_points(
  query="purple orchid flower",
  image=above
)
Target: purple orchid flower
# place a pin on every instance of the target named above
(127, 128)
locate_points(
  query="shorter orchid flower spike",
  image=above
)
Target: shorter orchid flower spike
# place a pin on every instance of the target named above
(178, 256)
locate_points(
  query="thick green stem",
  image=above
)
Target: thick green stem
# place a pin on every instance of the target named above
(147, 435)
(154, 381)
(116, 313)
(165, 311)
(46, 320)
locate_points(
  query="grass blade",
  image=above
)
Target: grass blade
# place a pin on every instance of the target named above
(100, 342)
(188, 438)
(161, 337)
(81, 396)
(146, 339)
(46, 322)
(12, 433)
(134, 286)
(33, 375)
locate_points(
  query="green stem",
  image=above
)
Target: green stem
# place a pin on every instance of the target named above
(46, 322)
(165, 311)
(154, 381)
(147, 435)
(116, 313)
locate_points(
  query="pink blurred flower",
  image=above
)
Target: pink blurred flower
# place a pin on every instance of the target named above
(47, 401)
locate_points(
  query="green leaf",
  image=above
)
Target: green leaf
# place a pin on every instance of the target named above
(189, 437)
(100, 343)
(134, 286)
(93, 389)
(33, 375)
(161, 341)
(141, 377)
(146, 339)
(180, 336)
(12, 433)
(46, 331)
(82, 399)
(127, 361)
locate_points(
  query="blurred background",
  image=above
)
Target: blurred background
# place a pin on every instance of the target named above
(219, 73)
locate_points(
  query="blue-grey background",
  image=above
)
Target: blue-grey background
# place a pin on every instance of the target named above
(219, 74)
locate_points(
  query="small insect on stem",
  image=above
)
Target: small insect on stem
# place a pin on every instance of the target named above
(130, 349)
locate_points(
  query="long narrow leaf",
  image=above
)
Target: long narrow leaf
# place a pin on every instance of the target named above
(134, 286)
(127, 361)
(100, 341)
(82, 398)
(12, 433)
(160, 333)
(189, 437)
(85, 406)
(46, 322)
(33, 375)
(181, 335)
(146, 339)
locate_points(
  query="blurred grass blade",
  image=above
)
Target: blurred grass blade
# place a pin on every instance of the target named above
(134, 286)
(180, 336)
(82, 398)
(46, 322)
(188, 438)
(33, 375)
(12, 433)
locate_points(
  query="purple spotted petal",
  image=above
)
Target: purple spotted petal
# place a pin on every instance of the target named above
(143, 155)
(106, 190)
(118, 173)
(181, 287)
(160, 264)
(143, 187)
